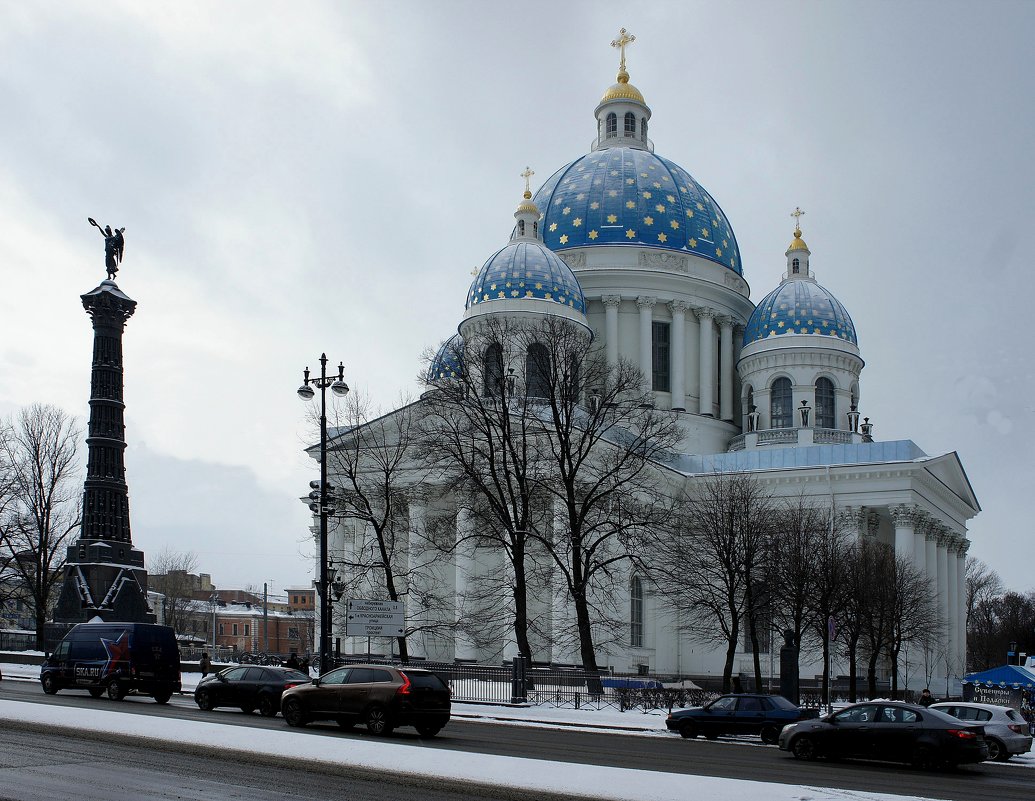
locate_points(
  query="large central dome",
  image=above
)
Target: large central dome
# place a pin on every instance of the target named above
(630, 196)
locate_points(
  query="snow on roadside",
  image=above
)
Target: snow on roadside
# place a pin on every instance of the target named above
(617, 784)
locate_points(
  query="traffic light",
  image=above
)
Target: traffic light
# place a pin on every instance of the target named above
(316, 496)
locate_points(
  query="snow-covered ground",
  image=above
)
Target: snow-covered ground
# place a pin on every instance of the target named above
(535, 775)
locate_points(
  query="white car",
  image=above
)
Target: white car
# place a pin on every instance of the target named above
(1005, 730)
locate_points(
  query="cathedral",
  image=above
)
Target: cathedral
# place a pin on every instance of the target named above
(625, 243)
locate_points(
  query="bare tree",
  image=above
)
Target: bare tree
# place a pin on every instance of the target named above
(831, 582)
(704, 558)
(42, 507)
(914, 618)
(170, 574)
(605, 468)
(375, 459)
(983, 588)
(796, 560)
(484, 443)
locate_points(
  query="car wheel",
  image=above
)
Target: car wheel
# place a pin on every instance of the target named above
(377, 721)
(162, 696)
(428, 729)
(688, 730)
(997, 751)
(770, 735)
(804, 747)
(924, 758)
(49, 685)
(204, 701)
(96, 692)
(267, 706)
(345, 723)
(116, 692)
(293, 714)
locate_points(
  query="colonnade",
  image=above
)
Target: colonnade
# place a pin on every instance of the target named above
(707, 319)
(941, 554)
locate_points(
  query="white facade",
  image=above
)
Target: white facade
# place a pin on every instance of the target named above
(728, 377)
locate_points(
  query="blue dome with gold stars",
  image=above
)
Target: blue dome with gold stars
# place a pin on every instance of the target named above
(526, 270)
(800, 306)
(449, 361)
(628, 196)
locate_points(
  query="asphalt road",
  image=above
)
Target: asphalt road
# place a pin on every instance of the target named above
(731, 759)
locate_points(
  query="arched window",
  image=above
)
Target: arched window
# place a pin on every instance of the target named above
(636, 613)
(612, 124)
(781, 415)
(493, 371)
(630, 124)
(824, 403)
(794, 266)
(643, 129)
(537, 371)
(521, 227)
(535, 229)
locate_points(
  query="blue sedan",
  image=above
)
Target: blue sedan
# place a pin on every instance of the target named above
(747, 713)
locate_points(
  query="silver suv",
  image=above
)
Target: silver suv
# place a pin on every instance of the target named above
(1005, 730)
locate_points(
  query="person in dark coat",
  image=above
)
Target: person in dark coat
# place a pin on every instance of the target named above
(292, 661)
(925, 699)
(205, 663)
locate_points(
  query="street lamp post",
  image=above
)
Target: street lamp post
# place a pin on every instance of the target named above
(305, 392)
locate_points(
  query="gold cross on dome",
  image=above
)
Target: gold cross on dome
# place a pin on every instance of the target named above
(527, 174)
(797, 215)
(624, 38)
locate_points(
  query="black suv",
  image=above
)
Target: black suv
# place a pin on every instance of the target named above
(380, 696)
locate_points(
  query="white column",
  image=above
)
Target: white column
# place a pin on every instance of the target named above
(707, 349)
(902, 517)
(463, 556)
(961, 604)
(646, 305)
(564, 629)
(726, 368)
(943, 600)
(418, 644)
(952, 607)
(931, 559)
(678, 308)
(921, 522)
(611, 304)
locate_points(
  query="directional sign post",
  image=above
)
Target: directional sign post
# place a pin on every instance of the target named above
(375, 618)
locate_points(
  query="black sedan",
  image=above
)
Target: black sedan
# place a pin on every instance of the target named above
(249, 688)
(744, 713)
(888, 731)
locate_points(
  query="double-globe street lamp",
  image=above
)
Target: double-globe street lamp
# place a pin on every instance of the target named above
(322, 493)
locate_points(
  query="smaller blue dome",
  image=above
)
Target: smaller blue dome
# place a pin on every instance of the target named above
(449, 361)
(800, 306)
(526, 271)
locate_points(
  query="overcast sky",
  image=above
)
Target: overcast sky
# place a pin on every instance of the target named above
(323, 176)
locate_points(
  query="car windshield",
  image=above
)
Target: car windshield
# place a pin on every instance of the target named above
(782, 703)
(724, 704)
(294, 675)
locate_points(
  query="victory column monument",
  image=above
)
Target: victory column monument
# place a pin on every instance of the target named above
(104, 573)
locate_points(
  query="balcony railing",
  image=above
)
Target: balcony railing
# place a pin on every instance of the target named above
(789, 436)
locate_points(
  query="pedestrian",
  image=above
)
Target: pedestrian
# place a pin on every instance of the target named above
(925, 699)
(737, 687)
(205, 663)
(292, 661)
